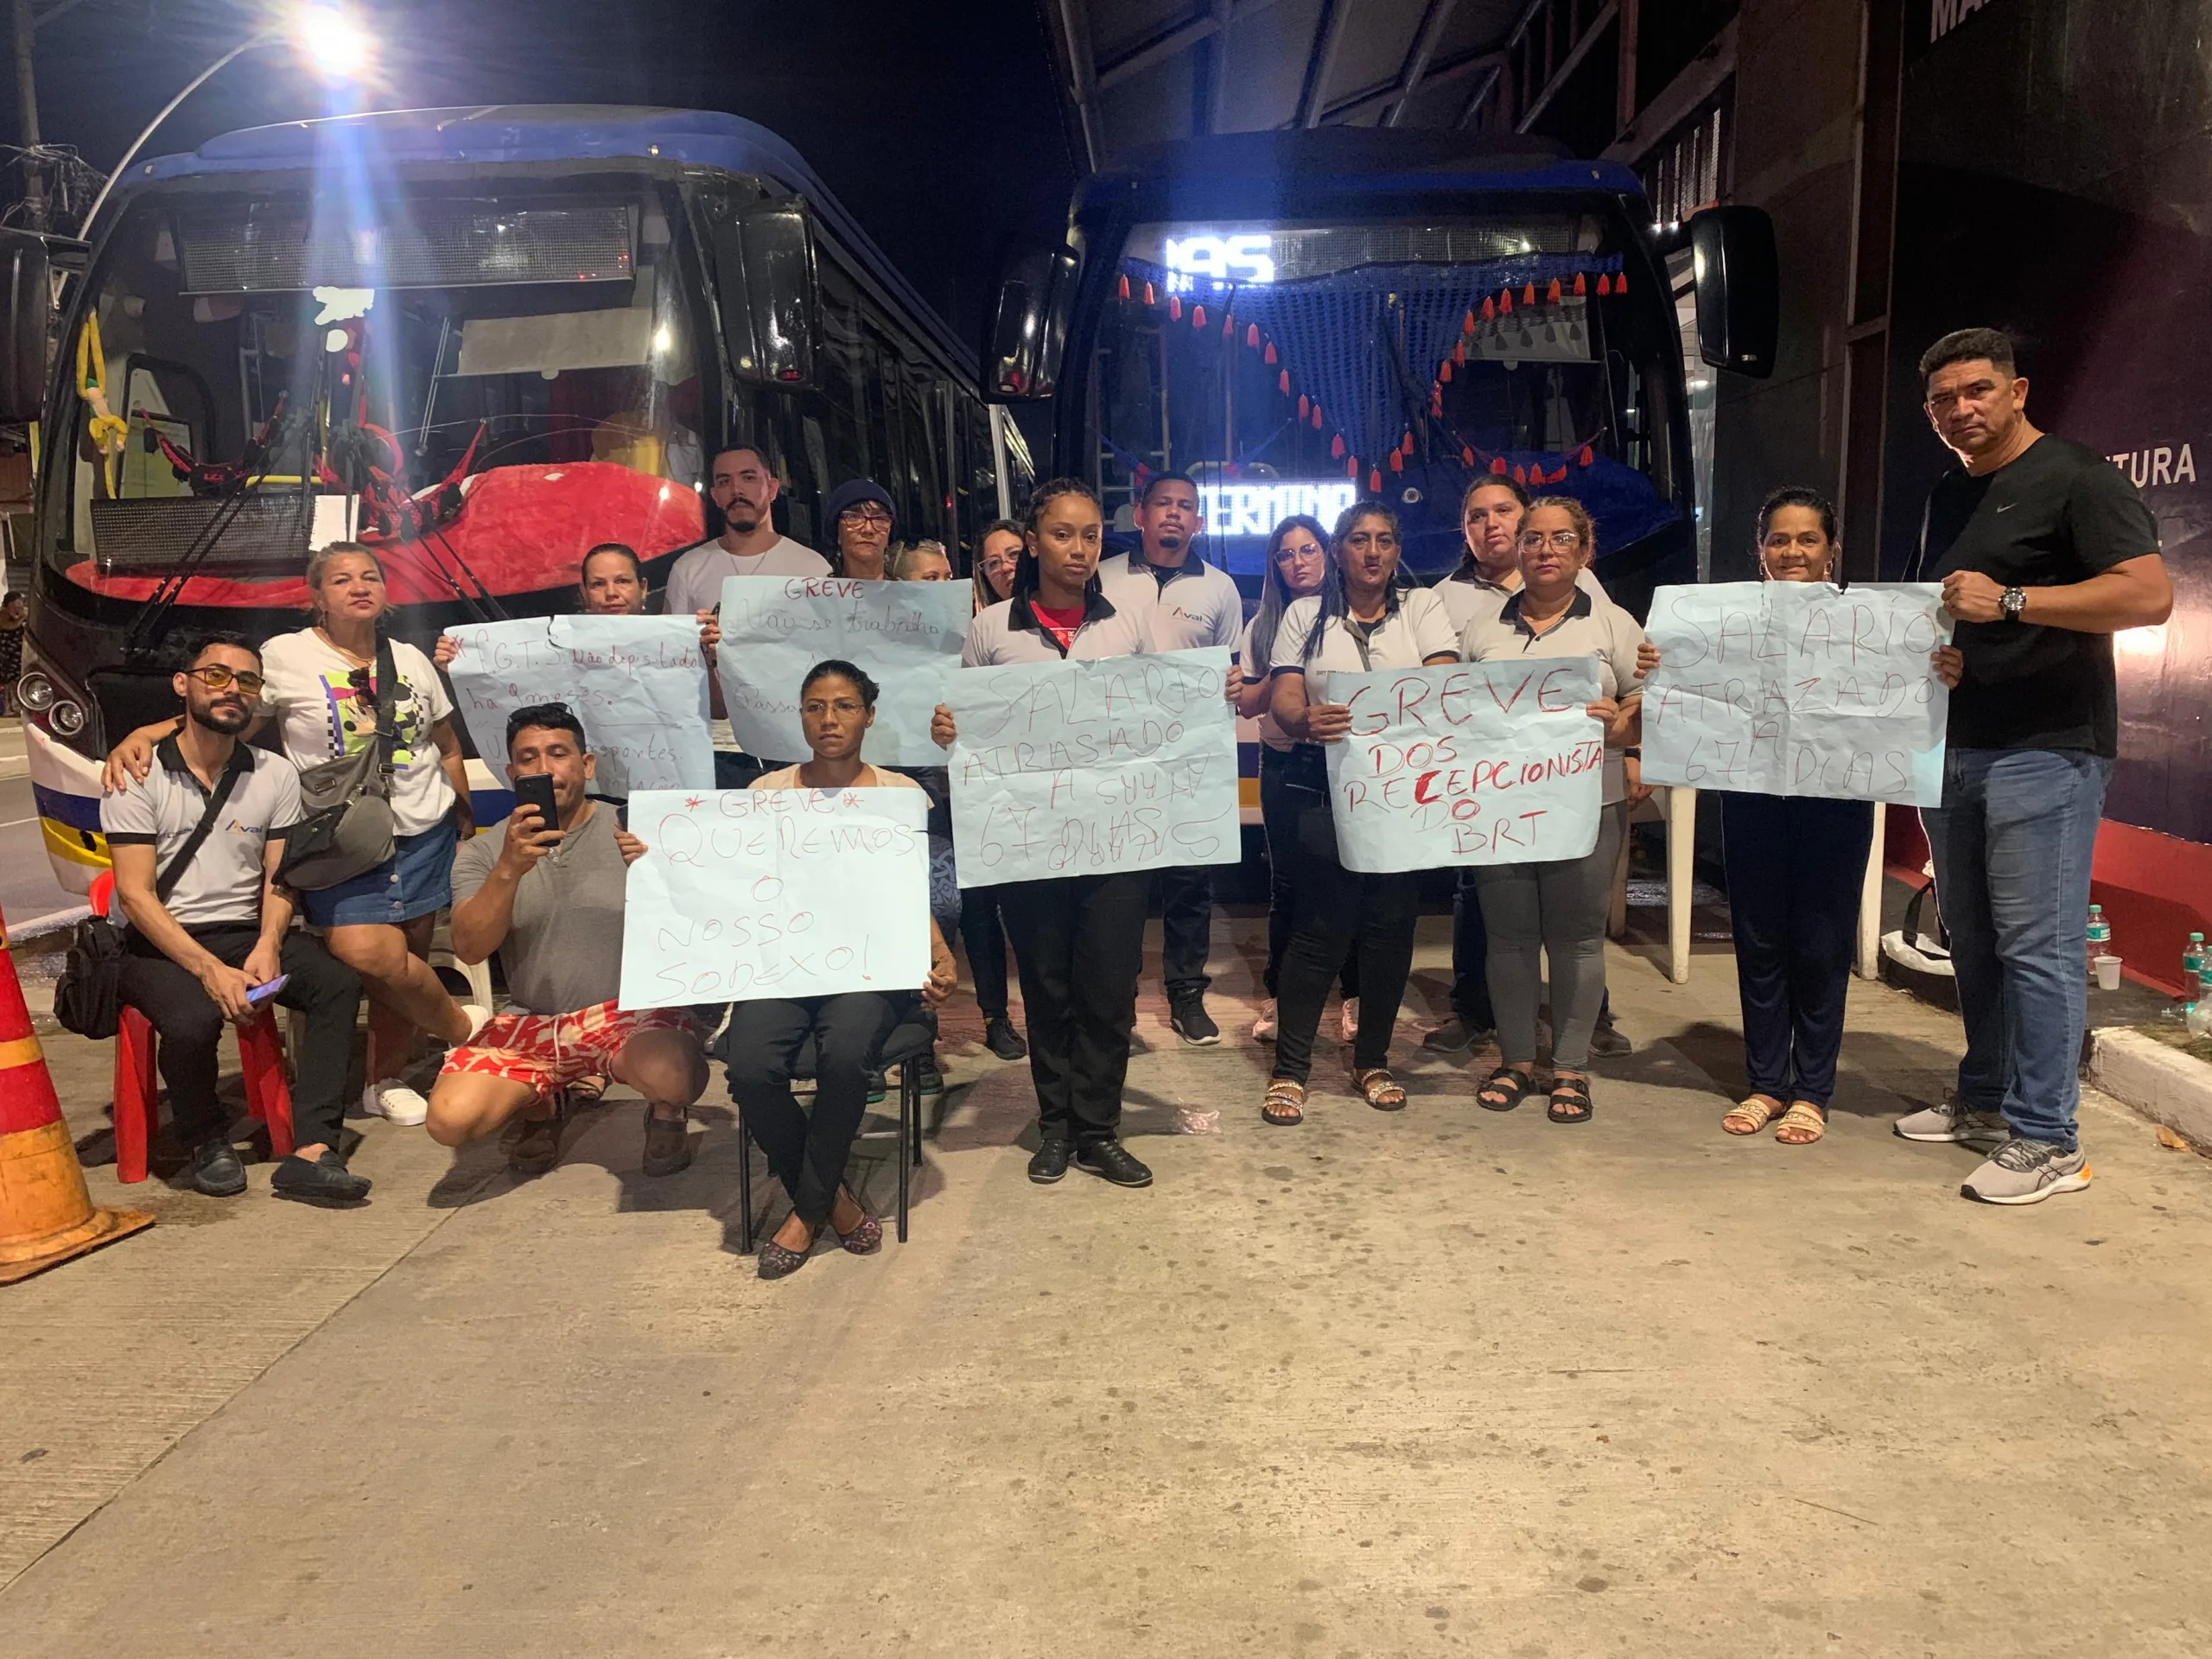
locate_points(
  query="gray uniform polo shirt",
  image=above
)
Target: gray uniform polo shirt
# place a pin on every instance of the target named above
(1009, 632)
(1192, 604)
(223, 881)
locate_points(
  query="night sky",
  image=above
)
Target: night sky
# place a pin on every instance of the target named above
(935, 122)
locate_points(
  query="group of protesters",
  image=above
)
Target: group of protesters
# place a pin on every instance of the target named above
(2042, 548)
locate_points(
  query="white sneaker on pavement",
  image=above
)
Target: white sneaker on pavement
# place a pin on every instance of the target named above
(395, 1102)
(2027, 1172)
(1950, 1122)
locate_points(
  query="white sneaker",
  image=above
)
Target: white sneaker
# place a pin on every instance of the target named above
(2027, 1172)
(1263, 1028)
(1949, 1121)
(395, 1102)
(1348, 1018)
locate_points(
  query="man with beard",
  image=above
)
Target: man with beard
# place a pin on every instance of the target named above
(742, 486)
(196, 845)
(1188, 603)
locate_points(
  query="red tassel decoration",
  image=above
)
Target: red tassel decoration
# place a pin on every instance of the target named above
(1302, 404)
(1552, 294)
(1228, 328)
(1584, 458)
(1397, 462)
(1270, 356)
(1443, 371)
(1351, 468)
(1252, 335)
(1283, 384)
(1581, 284)
(1316, 417)
(1490, 311)
(1468, 326)
(1620, 283)
(1505, 303)
(1174, 309)
(1150, 298)
(1559, 477)
(1336, 447)
(1459, 353)
(1123, 287)
(1375, 482)
(1521, 475)
(1604, 285)
(1497, 465)
(1528, 295)
(1407, 447)
(1466, 455)
(1198, 316)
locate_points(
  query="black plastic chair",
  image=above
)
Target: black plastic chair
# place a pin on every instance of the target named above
(910, 1041)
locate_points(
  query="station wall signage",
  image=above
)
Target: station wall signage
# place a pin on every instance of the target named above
(1235, 509)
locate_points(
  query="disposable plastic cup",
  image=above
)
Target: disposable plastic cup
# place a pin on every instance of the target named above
(2107, 973)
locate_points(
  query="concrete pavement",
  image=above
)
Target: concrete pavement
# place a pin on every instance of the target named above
(1438, 1381)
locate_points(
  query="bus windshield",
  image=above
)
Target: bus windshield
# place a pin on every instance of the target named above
(1293, 367)
(537, 356)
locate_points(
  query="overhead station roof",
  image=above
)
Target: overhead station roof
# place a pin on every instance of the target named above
(1143, 72)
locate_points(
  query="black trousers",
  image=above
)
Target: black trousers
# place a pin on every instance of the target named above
(1335, 910)
(1279, 804)
(808, 1150)
(1470, 958)
(984, 935)
(1079, 941)
(1795, 868)
(189, 1026)
(1185, 929)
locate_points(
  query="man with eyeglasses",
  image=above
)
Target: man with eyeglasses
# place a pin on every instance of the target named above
(1188, 603)
(207, 925)
(2044, 552)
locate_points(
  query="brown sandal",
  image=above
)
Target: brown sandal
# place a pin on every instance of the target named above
(1751, 1114)
(1803, 1124)
(1379, 1089)
(1284, 1105)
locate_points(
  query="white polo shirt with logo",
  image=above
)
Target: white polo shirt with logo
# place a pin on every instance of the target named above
(1588, 629)
(223, 881)
(1415, 629)
(1188, 605)
(1009, 632)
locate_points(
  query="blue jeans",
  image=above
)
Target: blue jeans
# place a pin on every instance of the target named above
(2013, 843)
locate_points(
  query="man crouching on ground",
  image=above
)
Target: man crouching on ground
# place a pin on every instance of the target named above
(548, 899)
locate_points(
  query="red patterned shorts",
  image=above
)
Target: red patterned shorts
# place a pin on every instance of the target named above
(549, 1052)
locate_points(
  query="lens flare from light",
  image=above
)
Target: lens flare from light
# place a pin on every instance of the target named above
(2147, 643)
(333, 43)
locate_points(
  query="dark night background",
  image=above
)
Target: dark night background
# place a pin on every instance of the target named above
(934, 124)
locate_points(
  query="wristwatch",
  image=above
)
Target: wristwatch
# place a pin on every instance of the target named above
(2014, 601)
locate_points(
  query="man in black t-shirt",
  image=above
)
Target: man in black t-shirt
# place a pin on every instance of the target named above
(2044, 552)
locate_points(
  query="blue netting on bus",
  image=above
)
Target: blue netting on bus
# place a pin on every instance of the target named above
(1365, 343)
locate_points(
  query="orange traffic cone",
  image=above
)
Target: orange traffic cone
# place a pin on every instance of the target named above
(46, 1214)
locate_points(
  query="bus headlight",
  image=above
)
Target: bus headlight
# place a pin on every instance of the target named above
(36, 692)
(66, 718)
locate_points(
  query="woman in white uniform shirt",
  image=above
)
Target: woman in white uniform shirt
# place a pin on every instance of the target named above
(1362, 619)
(1079, 941)
(1557, 906)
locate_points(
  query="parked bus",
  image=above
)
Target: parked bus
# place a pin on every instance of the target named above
(483, 340)
(1300, 319)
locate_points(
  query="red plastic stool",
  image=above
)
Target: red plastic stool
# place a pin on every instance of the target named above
(138, 1098)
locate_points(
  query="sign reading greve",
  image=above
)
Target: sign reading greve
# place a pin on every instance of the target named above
(636, 682)
(1085, 768)
(743, 895)
(1466, 763)
(904, 635)
(1798, 688)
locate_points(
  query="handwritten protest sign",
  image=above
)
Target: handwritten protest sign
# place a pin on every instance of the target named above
(1797, 688)
(749, 893)
(1467, 763)
(1085, 768)
(636, 682)
(903, 634)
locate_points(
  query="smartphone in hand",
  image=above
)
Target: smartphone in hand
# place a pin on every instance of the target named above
(261, 992)
(536, 789)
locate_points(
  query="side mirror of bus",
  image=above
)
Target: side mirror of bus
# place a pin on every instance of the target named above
(25, 310)
(765, 265)
(1738, 280)
(1022, 357)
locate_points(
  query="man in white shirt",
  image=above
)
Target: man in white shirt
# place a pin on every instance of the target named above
(743, 487)
(1188, 603)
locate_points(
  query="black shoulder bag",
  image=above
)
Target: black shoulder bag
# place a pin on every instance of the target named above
(345, 825)
(88, 997)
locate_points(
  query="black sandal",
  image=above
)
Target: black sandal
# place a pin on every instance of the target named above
(1515, 1086)
(1570, 1102)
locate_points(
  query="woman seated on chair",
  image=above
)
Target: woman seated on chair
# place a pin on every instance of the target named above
(1796, 865)
(807, 1151)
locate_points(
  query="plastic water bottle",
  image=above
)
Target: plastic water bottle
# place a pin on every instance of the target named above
(2100, 939)
(2192, 976)
(2199, 1016)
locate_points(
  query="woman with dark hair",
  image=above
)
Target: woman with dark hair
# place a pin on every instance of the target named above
(762, 1043)
(1363, 618)
(1297, 565)
(1557, 907)
(1078, 940)
(1795, 865)
(861, 519)
(997, 554)
(321, 690)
